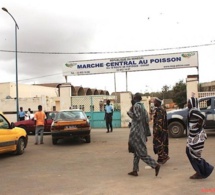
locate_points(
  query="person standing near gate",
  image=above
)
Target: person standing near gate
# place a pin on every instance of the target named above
(108, 116)
(21, 114)
(40, 120)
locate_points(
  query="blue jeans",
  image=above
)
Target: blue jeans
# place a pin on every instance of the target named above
(39, 130)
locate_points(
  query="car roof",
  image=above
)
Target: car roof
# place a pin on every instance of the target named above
(71, 110)
(206, 97)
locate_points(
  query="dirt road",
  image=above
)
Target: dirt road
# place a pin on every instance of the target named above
(100, 168)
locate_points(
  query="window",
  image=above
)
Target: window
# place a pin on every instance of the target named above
(3, 123)
(81, 107)
(205, 104)
(74, 107)
(51, 115)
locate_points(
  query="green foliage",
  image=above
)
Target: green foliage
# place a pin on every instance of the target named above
(180, 94)
(165, 88)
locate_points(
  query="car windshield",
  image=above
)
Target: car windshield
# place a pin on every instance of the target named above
(70, 115)
(51, 115)
(3, 123)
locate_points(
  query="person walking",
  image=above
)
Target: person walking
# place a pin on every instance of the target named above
(40, 120)
(138, 137)
(108, 116)
(160, 132)
(196, 140)
(21, 114)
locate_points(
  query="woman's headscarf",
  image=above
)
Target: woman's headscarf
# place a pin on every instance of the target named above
(194, 102)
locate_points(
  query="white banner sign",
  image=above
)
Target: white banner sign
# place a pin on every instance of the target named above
(132, 63)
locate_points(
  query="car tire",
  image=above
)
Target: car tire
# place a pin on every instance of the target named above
(54, 141)
(176, 129)
(88, 139)
(20, 147)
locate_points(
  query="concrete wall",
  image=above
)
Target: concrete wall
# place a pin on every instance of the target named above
(125, 105)
(97, 101)
(9, 105)
(25, 91)
(208, 86)
(5, 90)
(65, 94)
(192, 85)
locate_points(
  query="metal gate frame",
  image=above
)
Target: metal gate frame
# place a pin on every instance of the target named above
(93, 105)
(97, 119)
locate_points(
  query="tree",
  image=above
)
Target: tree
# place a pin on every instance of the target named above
(180, 94)
(165, 89)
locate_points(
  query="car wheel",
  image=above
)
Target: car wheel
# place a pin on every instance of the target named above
(20, 147)
(88, 139)
(176, 129)
(54, 141)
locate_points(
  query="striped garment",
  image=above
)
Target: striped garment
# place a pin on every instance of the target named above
(197, 134)
(196, 140)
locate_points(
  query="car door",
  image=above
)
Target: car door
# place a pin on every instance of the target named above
(7, 136)
(206, 106)
(30, 124)
(49, 119)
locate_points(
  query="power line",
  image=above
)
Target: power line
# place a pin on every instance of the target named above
(60, 53)
(39, 77)
(108, 52)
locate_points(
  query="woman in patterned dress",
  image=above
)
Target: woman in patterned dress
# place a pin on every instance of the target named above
(196, 140)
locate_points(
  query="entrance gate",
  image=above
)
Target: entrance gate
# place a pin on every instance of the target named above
(93, 105)
(122, 64)
(97, 119)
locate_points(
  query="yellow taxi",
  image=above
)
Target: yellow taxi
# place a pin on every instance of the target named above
(12, 139)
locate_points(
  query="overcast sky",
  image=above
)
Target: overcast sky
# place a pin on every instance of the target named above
(52, 33)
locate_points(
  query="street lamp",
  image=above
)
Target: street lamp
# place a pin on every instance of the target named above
(17, 91)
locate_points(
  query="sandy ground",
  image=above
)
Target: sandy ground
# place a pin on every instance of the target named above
(100, 168)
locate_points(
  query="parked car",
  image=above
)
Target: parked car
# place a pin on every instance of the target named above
(29, 125)
(70, 124)
(177, 119)
(12, 139)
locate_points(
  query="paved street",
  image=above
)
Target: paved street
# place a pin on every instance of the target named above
(100, 168)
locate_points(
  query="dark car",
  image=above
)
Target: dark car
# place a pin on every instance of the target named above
(70, 124)
(177, 119)
(29, 125)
